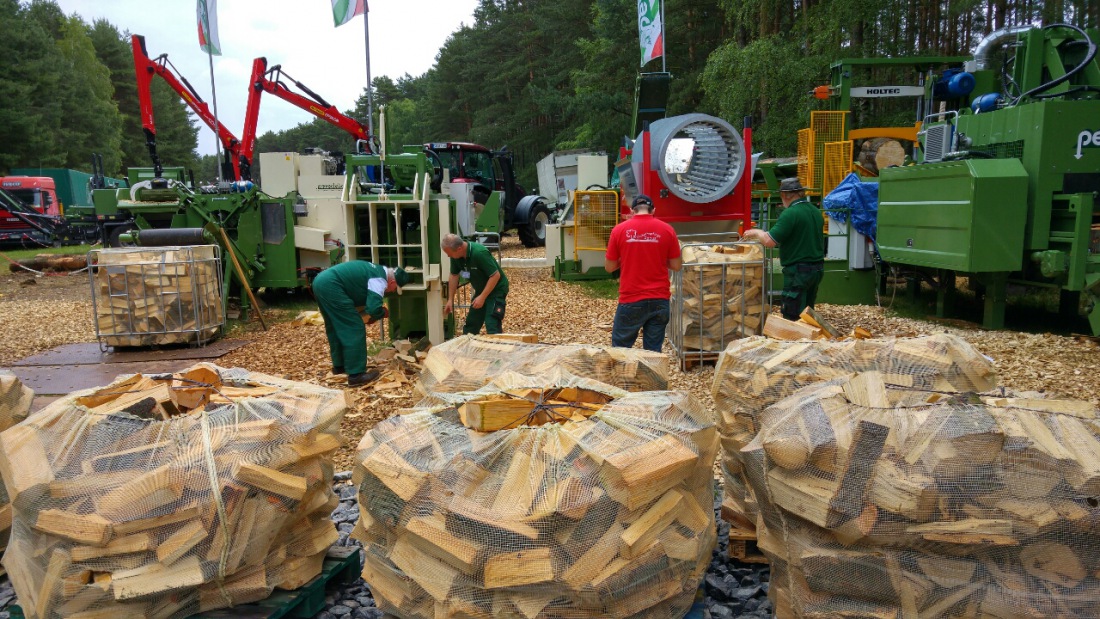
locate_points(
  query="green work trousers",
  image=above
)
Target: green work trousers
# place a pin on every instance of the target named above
(491, 315)
(800, 282)
(347, 335)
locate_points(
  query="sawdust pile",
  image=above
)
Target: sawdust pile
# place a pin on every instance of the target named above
(31, 327)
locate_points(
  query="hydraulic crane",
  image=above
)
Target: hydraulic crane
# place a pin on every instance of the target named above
(235, 166)
(271, 80)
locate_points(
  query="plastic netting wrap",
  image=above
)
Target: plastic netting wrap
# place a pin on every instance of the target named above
(603, 510)
(718, 296)
(469, 362)
(879, 501)
(754, 373)
(15, 405)
(166, 496)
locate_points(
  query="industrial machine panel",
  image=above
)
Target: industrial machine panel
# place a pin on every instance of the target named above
(967, 216)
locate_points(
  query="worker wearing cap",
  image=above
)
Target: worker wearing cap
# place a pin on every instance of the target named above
(643, 249)
(473, 262)
(799, 233)
(340, 291)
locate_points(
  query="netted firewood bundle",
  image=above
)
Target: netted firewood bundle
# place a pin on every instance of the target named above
(15, 405)
(165, 496)
(587, 502)
(469, 362)
(720, 294)
(903, 502)
(754, 373)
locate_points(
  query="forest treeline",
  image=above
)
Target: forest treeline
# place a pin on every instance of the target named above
(532, 75)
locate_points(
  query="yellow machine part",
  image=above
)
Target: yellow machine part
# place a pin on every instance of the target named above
(595, 213)
(837, 164)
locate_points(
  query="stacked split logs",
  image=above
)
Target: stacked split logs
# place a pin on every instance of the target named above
(721, 295)
(154, 296)
(539, 501)
(164, 496)
(893, 502)
(754, 373)
(15, 405)
(469, 362)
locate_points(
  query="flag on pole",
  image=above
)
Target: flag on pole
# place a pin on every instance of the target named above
(208, 27)
(344, 10)
(650, 30)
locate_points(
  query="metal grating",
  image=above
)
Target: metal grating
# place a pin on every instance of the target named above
(1004, 150)
(827, 127)
(836, 164)
(937, 142)
(805, 149)
(595, 214)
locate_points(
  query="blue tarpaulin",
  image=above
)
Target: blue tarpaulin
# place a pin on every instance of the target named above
(857, 198)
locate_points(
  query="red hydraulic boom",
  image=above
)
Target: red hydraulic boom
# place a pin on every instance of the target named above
(271, 80)
(235, 166)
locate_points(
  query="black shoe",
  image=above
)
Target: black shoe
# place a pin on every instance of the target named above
(337, 370)
(355, 380)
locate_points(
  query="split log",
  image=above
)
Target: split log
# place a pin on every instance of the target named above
(720, 295)
(15, 405)
(596, 504)
(130, 502)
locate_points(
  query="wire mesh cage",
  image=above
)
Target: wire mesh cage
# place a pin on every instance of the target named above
(156, 295)
(717, 297)
(837, 165)
(595, 215)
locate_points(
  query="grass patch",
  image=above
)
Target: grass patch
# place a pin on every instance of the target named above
(23, 254)
(600, 288)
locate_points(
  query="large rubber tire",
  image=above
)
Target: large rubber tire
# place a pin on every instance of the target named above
(532, 233)
(117, 231)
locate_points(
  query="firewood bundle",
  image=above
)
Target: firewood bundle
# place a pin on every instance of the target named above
(719, 295)
(754, 373)
(15, 405)
(587, 502)
(887, 502)
(469, 362)
(164, 496)
(153, 296)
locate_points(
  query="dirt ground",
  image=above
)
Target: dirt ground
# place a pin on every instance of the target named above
(56, 310)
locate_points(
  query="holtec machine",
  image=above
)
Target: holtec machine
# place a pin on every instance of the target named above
(1007, 190)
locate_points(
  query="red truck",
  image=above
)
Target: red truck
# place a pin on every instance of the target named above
(37, 192)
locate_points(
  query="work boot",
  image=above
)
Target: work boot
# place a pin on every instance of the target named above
(338, 370)
(356, 380)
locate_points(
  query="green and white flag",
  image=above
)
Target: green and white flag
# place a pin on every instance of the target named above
(651, 31)
(208, 27)
(344, 10)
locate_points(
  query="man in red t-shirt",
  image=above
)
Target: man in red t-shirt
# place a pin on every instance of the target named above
(645, 249)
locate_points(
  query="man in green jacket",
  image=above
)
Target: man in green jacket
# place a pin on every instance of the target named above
(799, 233)
(473, 262)
(339, 291)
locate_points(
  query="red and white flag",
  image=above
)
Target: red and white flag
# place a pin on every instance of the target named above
(344, 10)
(651, 31)
(208, 27)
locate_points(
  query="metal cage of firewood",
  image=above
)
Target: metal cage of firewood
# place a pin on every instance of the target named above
(717, 297)
(151, 296)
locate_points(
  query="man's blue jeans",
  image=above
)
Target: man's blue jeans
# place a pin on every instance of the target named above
(648, 315)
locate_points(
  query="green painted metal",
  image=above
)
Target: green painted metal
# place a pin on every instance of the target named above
(839, 284)
(491, 218)
(965, 216)
(651, 92)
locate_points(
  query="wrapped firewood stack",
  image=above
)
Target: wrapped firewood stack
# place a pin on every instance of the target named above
(156, 295)
(718, 295)
(165, 496)
(469, 362)
(533, 498)
(754, 373)
(15, 405)
(888, 502)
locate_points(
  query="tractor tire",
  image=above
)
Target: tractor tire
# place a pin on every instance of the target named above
(113, 239)
(532, 233)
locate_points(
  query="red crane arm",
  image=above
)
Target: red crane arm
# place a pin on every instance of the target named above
(271, 80)
(145, 68)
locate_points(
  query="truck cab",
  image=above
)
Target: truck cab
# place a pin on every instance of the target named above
(37, 192)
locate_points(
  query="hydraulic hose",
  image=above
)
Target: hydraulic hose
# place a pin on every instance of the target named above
(1074, 71)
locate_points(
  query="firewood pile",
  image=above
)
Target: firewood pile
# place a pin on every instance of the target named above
(15, 405)
(165, 496)
(469, 362)
(538, 498)
(153, 296)
(885, 501)
(718, 295)
(755, 373)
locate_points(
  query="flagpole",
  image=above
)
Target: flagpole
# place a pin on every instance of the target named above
(213, 92)
(664, 43)
(370, 89)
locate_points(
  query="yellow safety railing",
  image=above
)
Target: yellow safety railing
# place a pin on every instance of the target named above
(837, 164)
(595, 213)
(825, 127)
(805, 150)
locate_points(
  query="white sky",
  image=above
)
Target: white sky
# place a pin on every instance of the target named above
(405, 36)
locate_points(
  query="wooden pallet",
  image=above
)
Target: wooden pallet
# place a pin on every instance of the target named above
(743, 546)
(690, 359)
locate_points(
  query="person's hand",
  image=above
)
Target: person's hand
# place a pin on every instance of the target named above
(478, 303)
(448, 308)
(385, 312)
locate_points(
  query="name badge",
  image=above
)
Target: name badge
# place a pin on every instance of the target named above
(465, 273)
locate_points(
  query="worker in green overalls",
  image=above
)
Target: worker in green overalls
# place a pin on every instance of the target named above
(473, 262)
(799, 233)
(340, 291)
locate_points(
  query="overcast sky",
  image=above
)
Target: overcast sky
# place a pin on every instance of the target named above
(405, 36)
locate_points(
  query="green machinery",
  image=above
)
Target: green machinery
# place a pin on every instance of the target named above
(1007, 190)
